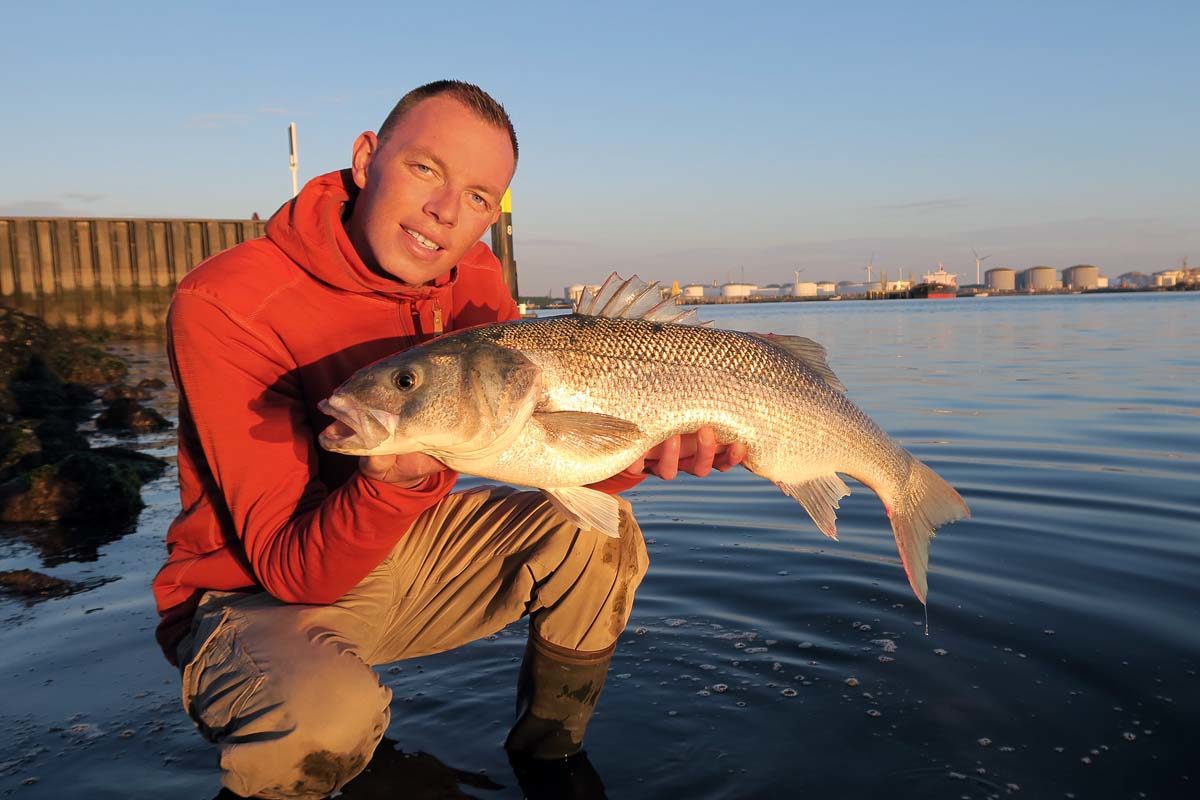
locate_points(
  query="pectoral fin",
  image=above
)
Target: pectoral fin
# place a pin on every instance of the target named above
(819, 497)
(585, 433)
(588, 508)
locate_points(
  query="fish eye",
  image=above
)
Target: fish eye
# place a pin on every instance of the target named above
(404, 380)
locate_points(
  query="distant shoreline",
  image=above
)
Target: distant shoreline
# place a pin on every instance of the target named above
(983, 294)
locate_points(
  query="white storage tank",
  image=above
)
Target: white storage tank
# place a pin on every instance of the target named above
(737, 290)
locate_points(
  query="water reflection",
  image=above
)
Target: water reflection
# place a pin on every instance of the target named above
(58, 543)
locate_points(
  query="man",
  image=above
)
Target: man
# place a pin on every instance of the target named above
(292, 571)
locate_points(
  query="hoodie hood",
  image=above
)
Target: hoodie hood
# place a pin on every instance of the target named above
(309, 229)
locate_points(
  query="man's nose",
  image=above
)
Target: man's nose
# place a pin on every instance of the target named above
(443, 206)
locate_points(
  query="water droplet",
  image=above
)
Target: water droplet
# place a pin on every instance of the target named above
(872, 712)
(720, 688)
(789, 692)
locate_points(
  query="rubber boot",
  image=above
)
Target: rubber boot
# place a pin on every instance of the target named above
(557, 690)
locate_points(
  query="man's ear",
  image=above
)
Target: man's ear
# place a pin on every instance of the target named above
(365, 147)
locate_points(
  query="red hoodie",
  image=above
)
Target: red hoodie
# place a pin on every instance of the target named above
(257, 336)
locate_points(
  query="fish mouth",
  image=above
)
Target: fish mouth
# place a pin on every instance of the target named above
(354, 430)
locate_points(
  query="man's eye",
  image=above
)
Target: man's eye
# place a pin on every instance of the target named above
(421, 168)
(479, 200)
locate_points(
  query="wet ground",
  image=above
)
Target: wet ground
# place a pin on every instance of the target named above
(763, 660)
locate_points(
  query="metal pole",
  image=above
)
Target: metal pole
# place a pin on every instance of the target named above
(502, 243)
(292, 153)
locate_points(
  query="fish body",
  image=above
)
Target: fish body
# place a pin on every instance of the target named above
(562, 402)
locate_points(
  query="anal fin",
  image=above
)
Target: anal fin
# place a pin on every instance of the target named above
(819, 497)
(588, 508)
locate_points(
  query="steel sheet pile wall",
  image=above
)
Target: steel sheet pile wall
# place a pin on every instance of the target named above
(106, 274)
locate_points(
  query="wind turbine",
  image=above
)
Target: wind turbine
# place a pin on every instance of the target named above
(870, 264)
(978, 262)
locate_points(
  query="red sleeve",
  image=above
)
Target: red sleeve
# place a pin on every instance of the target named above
(618, 483)
(303, 543)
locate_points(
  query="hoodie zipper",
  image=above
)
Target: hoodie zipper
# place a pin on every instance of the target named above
(418, 330)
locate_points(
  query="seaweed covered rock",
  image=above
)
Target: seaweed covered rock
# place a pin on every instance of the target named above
(128, 414)
(30, 350)
(84, 485)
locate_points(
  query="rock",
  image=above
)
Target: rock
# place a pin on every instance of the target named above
(127, 414)
(83, 485)
(121, 391)
(69, 356)
(29, 583)
(152, 383)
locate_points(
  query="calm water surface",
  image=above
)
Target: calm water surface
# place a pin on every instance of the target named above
(763, 660)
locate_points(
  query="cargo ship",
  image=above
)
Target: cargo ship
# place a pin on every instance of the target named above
(936, 285)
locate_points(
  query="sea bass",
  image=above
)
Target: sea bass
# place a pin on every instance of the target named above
(562, 402)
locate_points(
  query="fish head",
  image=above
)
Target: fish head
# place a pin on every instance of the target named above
(449, 397)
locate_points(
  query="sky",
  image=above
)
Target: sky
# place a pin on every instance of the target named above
(682, 141)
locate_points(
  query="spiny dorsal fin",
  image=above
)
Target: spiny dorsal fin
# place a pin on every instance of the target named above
(808, 351)
(819, 497)
(633, 298)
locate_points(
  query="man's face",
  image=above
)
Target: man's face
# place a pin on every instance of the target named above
(429, 191)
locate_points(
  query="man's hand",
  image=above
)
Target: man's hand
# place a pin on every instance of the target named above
(695, 453)
(406, 471)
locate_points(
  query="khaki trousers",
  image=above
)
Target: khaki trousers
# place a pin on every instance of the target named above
(287, 692)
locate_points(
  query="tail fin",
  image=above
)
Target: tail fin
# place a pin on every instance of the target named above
(925, 503)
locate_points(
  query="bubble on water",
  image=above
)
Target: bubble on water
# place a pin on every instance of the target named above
(874, 712)
(623, 675)
(1013, 787)
(720, 688)
(855, 624)
(674, 622)
(864, 628)
(640, 631)
(739, 645)
(1006, 748)
(958, 776)
(805, 645)
(888, 645)
(939, 652)
(885, 659)
(984, 741)
(1129, 736)
(852, 682)
(782, 573)
(30, 781)
(672, 713)
(741, 703)
(704, 693)
(755, 650)
(777, 667)
(789, 692)
(1059, 749)
(127, 733)
(1048, 632)
(708, 667)
(771, 642)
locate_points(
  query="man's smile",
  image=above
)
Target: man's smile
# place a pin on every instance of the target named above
(428, 244)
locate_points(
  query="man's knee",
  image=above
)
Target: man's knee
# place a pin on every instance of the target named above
(299, 724)
(327, 723)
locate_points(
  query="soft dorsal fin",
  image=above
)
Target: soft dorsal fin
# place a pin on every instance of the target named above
(808, 351)
(633, 298)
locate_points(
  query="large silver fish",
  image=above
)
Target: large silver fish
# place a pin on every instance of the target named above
(563, 402)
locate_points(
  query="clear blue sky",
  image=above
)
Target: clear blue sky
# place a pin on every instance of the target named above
(691, 141)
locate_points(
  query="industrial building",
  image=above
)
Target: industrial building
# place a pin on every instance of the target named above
(804, 289)
(1038, 279)
(737, 290)
(1080, 277)
(1001, 279)
(826, 289)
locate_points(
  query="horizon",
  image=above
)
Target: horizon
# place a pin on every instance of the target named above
(680, 145)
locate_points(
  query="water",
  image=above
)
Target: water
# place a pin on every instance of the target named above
(763, 660)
